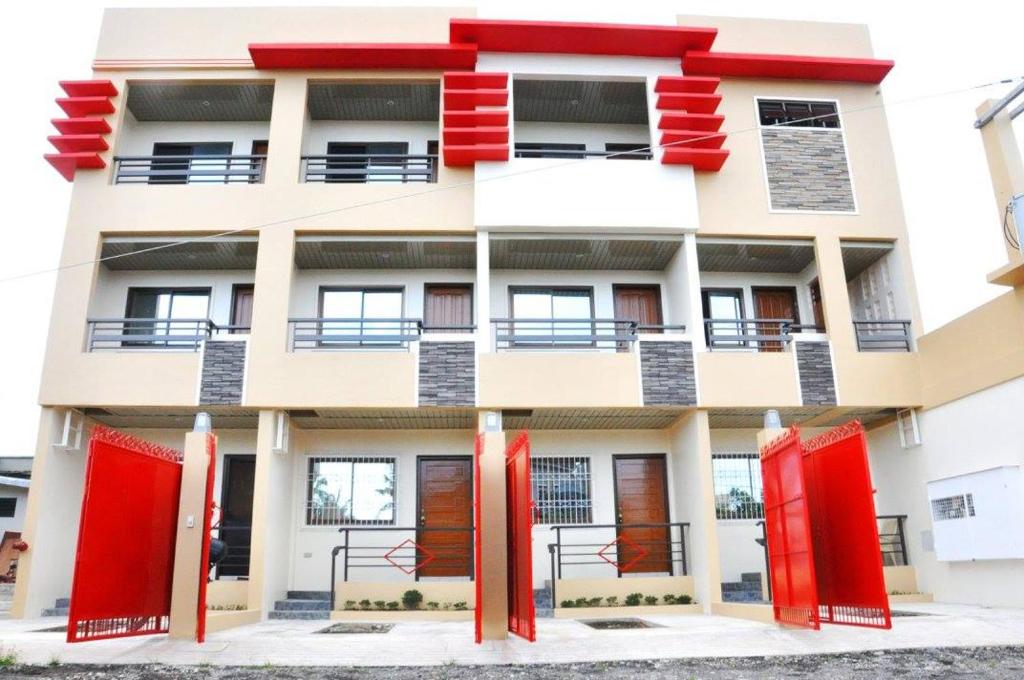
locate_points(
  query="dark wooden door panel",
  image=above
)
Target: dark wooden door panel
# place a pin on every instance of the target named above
(774, 303)
(241, 306)
(638, 303)
(447, 306)
(641, 498)
(236, 518)
(445, 500)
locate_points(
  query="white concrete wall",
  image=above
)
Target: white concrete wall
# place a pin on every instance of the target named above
(308, 549)
(584, 193)
(305, 294)
(883, 281)
(137, 138)
(320, 132)
(978, 432)
(110, 297)
(20, 497)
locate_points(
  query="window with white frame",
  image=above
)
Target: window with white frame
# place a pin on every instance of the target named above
(350, 491)
(561, 489)
(739, 493)
(906, 424)
(798, 113)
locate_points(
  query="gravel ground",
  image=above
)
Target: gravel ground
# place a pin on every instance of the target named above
(979, 662)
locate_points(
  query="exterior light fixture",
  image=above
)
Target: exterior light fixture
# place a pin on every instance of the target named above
(772, 420)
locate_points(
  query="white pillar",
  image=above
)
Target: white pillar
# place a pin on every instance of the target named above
(695, 323)
(482, 295)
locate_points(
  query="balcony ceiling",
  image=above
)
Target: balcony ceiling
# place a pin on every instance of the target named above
(375, 101)
(579, 101)
(224, 418)
(236, 252)
(762, 257)
(590, 419)
(316, 252)
(385, 419)
(608, 253)
(728, 418)
(156, 102)
(859, 256)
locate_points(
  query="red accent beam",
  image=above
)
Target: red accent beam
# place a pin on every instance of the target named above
(88, 88)
(75, 143)
(461, 100)
(677, 84)
(363, 55)
(85, 106)
(464, 155)
(475, 135)
(81, 126)
(693, 103)
(791, 67)
(460, 80)
(67, 163)
(691, 121)
(459, 119)
(692, 139)
(497, 35)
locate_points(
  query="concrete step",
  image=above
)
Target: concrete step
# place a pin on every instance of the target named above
(741, 596)
(55, 611)
(751, 577)
(741, 586)
(302, 605)
(545, 613)
(301, 615)
(309, 595)
(63, 602)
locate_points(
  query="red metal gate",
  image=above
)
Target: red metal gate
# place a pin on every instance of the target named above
(521, 616)
(847, 552)
(788, 526)
(123, 569)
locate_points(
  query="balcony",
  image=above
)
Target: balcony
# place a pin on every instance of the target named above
(353, 333)
(154, 334)
(878, 299)
(525, 334)
(576, 144)
(760, 335)
(359, 133)
(209, 133)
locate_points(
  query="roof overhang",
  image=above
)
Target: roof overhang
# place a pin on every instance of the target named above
(785, 66)
(458, 56)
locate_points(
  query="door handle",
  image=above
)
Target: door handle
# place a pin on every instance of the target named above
(423, 519)
(619, 518)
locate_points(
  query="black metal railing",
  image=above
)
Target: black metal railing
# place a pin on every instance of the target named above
(765, 335)
(189, 169)
(360, 168)
(238, 538)
(175, 334)
(603, 545)
(893, 539)
(353, 333)
(883, 336)
(449, 553)
(641, 153)
(526, 334)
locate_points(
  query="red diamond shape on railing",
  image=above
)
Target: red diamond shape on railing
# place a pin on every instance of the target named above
(418, 548)
(623, 540)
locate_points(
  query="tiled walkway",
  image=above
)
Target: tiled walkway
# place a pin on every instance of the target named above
(295, 643)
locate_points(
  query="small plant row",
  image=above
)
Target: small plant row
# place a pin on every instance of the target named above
(411, 600)
(632, 600)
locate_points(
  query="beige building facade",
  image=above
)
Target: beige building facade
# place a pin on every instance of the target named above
(356, 262)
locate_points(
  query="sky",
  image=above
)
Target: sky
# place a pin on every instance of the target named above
(949, 207)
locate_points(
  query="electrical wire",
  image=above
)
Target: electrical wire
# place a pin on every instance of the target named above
(1011, 238)
(475, 181)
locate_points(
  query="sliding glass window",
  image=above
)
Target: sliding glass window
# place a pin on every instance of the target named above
(361, 316)
(553, 316)
(177, 314)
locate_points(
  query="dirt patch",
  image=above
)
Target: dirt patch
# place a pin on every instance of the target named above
(617, 624)
(912, 664)
(357, 628)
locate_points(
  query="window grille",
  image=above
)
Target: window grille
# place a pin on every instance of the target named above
(950, 507)
(798, 114)
(970, 504)
(906, 423)
(351, 491)
(561, 489)
(739, 492)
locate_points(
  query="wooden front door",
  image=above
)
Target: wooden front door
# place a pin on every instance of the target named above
(639, 303)
(816, 308)
(641, 497)
(774, 303)
(447, 306)
(236, 517)
(445, 501)
(241, 307)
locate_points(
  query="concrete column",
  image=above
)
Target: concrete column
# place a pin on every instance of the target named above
(54, 507)
(695, 503)
(287, 129)
(1004, 165)
(271, 519)
(268, 341)
(188, 546)
(835, 298)
(482, 294)
(493, 536)
(691, 272)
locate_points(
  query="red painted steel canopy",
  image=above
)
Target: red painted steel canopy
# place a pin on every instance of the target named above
(363, 55)
(496, 35)
(792, 67)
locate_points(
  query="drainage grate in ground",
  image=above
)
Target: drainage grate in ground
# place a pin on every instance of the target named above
(55, 629)
(618, 624)
(357, 628)
(897, 612)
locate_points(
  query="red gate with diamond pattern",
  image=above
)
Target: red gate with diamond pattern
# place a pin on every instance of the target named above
(847, 552)
(521, 616)
(126, 536)
(788, 526)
